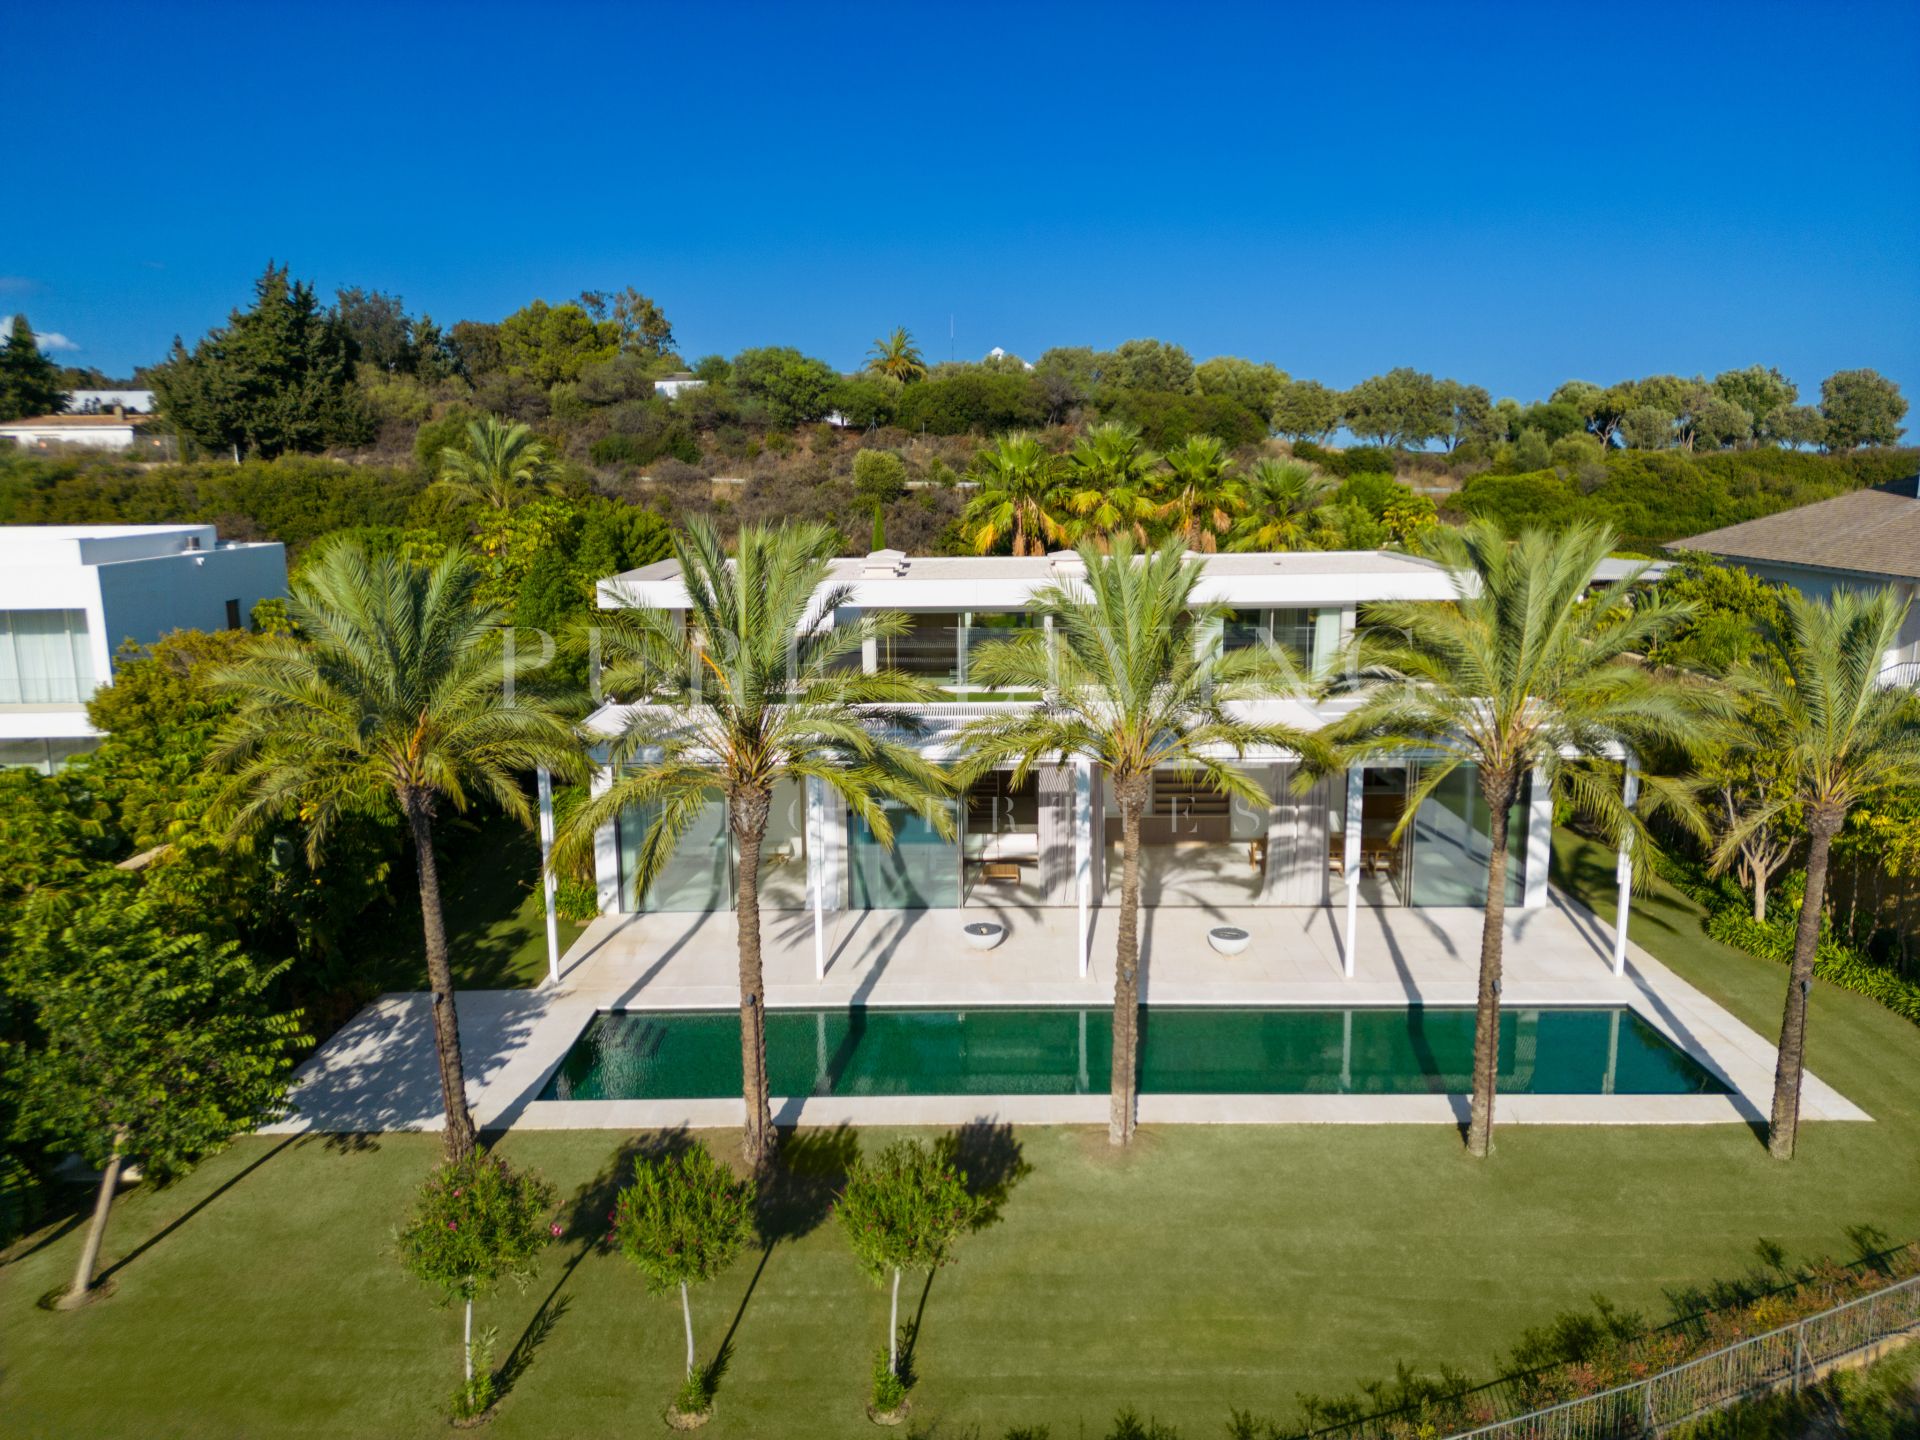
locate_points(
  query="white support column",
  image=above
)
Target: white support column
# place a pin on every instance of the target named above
(1355, 779)
(1623, 875)
(1083, 856)
(548, 885)
(817, 875)
(606, 852)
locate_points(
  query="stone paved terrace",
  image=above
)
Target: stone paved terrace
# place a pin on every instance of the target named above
(378, 1072)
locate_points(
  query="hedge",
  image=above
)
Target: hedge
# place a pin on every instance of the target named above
(1833, 962)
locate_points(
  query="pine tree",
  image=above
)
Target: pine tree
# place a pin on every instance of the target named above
(29, 382)
(279, 377)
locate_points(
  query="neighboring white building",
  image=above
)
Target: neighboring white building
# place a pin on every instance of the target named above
(93, 432)
(1052, 840)
(72, 595)
(1862, 541)
(674, 384)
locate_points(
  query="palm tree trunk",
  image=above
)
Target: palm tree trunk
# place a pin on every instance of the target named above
(446, 1018)
(1486, 1019)
(750, 809)
(1132, 795)
(1784, 1127)
(686, 1313)
(82, 1288)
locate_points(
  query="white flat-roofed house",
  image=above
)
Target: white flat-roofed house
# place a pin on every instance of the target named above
(71, 596)
(107, 431)
(1052, 840)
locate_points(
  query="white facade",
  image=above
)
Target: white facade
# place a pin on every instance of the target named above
(71, 596)
(1052, 841)
(674, 384)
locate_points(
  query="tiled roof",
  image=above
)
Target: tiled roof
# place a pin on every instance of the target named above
(1871, 533)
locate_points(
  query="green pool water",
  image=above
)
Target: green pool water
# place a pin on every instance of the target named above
(695, 1054)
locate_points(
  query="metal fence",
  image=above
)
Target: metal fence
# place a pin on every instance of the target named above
(1789, 1356)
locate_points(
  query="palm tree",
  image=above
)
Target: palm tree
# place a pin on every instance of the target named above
(1518, 673)
(1815, 701)
(1109, 484)
(496, 465)
(396, 688)
(759, 687)
(896, 357)
(1018, 480)
(1127, 687)
(1279, 498)
(1203, 499)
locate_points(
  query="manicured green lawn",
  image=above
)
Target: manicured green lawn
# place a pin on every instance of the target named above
(1213, 1267)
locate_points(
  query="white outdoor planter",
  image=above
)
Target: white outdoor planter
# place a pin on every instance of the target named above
(1229, 939)
(984, 934)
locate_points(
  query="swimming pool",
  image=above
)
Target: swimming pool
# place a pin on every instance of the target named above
(1415, 1050)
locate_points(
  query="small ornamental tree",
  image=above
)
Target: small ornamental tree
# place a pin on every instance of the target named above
(477, 1222)
(683, 1220)
(152, 1044)
(903, 1211)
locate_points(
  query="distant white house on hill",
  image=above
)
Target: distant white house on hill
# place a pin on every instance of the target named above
(674, 384)
(92, 420)
(1863, 541)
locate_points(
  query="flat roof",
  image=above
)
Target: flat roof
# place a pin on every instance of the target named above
(1041, 569)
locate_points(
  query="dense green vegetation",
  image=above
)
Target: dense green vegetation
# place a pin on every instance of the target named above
(1653, 498)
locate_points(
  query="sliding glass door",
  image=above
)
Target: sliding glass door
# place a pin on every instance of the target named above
(1452, 845)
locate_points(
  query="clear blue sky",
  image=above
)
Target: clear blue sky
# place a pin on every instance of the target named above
(1510, 196)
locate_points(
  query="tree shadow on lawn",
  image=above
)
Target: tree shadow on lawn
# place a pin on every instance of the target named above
(201, 1204)
(990, 1161)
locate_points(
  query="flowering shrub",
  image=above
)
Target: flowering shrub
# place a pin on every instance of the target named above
(475, 1223)
(903, 1211)
(683, 1220)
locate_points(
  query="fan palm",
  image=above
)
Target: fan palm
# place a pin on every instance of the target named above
(497, 463)
(1841, 739)
(1127, 687)
(760, 686)
(1018, 480)
(1109, 484)
(1202, 498)
(897, 358)
(397, 688)
(1279, 498)
(1516, 674)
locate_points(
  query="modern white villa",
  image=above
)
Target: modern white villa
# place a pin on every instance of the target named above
(1341, 991)
(1052, 841)
(72, 595)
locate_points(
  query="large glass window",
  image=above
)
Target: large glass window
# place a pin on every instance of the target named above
(1452, 848)
(930, 647)
(698, 875)
(1309, 636)
(45, 657)
(986, 627)
(920, 871)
